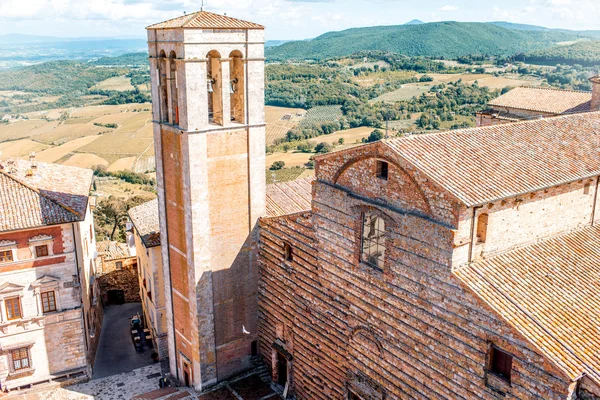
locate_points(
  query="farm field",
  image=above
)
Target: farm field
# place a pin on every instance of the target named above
(85, 160)
(53, 154)
(493, 82)
(379, 78)
(20, 148)
(321, 114)
(350, 136)
(406, 92)
(280, 121)
(119, 83)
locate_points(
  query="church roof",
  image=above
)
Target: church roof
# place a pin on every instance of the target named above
(289, 197)
(54, 194)
(112, 250)
(205, 20)
(545, 100)
(550, 293)
(486, 164)
(145, 219)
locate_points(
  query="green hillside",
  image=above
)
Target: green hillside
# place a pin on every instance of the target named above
(437, 39)
(585, 53)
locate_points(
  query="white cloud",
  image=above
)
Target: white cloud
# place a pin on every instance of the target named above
(449, 8)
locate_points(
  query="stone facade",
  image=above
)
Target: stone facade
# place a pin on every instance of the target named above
(410, 329)
(117, 271)
(209, 135)
(58, 341)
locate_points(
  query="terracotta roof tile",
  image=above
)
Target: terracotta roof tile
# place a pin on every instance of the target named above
(550, 292)
(112, 250)
(289, 197)
(546, 100)
(145, 220)
(205, 20)
(55, 194)
(486, 164)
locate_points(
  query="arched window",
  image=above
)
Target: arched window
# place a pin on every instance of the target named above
(174, 93)
(237, 86)
(215, 88)
(373, 240)
(482, 224)
(162, 83)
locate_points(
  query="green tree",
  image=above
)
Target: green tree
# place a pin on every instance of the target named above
(277, 165)
(324, 147)
(375, 136)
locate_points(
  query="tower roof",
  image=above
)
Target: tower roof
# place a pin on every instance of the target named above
(205, 20)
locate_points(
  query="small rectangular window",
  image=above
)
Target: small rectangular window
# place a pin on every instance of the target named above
(288, 252)
(48, 302)
(501, 363)
(13, 308)
(6, 256)
(41, 251)
(119, 264)
(20, 358)
(586, 188)
(382, 169)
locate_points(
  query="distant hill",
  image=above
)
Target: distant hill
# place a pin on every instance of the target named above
(415, 22)
(586, 53)
(274, 43)
(525, 27)
(125, 60)
(436, 39)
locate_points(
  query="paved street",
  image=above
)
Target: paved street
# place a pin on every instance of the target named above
(116, 353)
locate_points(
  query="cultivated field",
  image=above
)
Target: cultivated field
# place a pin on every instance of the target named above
(280, 121)
(493, 82)
(321, 114)
(120, 83)
(406, 92)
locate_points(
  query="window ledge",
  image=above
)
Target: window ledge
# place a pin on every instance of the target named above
(370, 267)
(21, 373)
(497, 383)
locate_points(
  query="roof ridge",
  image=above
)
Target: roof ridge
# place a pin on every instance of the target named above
(491, 127)
(35, 190)
(551, 89)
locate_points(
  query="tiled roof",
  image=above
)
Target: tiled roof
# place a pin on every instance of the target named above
(546, 100)
(486, 164)
(549, 292)
(205, 20)
(145, 220)
(55, 194)
(112, 250)
(289, 197)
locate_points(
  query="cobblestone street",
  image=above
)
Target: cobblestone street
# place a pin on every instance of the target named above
(142, 384)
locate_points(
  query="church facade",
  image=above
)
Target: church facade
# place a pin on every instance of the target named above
(454, 265)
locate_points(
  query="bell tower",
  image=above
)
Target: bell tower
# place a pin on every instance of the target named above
(207, 74)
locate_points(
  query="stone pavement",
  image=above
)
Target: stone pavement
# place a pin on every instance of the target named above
(142, 384)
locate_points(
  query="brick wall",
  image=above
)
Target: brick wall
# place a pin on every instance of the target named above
(409, 331)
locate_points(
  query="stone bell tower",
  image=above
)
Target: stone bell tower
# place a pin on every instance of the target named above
(209, 132)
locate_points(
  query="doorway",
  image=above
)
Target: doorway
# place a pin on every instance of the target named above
(282, 369)
(187, 378)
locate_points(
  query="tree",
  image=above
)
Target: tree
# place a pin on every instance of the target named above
(111, 215)
(324, 147)
(277, 165)
(375, 136)
(341, 140)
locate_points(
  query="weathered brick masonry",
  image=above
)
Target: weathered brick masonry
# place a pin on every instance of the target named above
(412, 330)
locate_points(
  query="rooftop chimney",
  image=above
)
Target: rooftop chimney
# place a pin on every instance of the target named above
(595, 106)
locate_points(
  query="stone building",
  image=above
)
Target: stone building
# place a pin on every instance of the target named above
(146, 234)
(524, 103)
(412, 271)
(47, 301)
(209, 136)
(117, 267)
(454, 265)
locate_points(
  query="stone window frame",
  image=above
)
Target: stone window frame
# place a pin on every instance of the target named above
(390, 226)
(46, 284)
(493, 380)
(19, 307)
(51, 301)
(10, 290)
(119, 265)
(363, 386)
(41, 240)
(12, 371)
(9, 245)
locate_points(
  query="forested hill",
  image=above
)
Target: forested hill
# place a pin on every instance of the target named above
(436, 39)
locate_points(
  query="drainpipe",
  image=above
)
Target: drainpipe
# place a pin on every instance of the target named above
(472, 233)
(595, 198)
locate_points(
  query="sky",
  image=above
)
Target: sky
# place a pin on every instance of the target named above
(284, 19)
